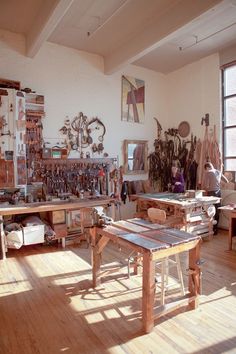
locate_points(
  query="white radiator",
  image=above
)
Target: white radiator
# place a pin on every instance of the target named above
(228, 197)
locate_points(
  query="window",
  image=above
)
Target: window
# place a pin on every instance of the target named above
(229, 116)
(135, 156)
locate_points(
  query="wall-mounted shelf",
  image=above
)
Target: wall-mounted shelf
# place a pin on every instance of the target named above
(34, 104)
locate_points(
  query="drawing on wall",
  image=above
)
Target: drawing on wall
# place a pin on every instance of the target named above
(133, 94)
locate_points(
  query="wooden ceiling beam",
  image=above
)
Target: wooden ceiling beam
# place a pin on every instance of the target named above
(161, 28)
(50, 15)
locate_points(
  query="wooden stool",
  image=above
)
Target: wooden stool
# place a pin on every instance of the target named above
(159, 216)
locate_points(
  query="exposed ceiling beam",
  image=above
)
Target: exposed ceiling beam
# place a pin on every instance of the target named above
(161, 28)
(51, 13)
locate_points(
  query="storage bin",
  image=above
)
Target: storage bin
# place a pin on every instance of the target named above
(33, 234)
(14, 239)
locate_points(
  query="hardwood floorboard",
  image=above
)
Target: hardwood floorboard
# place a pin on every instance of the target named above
(48, 305)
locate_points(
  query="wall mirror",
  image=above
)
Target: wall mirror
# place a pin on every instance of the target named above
(135, 156)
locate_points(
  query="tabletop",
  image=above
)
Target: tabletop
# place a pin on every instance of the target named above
(176, 199)
(147, 235)
(24, 208)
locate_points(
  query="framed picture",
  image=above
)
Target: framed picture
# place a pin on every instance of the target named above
(133, 98)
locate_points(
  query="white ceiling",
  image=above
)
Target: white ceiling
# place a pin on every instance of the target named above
(162, 35)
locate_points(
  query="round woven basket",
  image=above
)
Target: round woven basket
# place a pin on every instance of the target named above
(184, 129)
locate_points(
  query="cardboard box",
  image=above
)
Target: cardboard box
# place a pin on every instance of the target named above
(33, 234)
(57, 217)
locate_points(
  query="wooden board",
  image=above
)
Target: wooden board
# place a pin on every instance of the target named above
(27, 208)
(164, 237)
(115, 231)
(143, 242)
(147, 223)
(182, 234)
(130, 226)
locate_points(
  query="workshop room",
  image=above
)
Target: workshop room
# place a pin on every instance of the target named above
(117, 176)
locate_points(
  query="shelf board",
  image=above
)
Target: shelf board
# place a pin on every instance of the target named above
(33, 104)
(35, 113)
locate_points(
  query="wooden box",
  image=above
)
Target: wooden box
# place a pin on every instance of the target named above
(57, 217)
(60, 230)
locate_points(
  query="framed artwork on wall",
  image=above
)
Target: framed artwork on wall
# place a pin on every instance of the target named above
(133, 99)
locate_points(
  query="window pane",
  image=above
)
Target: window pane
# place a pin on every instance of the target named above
(230, 111)
(230, 142)
(131, 148)
(230, 165)
(230, 80)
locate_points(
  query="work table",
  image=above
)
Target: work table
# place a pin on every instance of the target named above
(176, 199)
(37, 207)
(231, 209)
(190, 214)
(40, 207)
(151, 242)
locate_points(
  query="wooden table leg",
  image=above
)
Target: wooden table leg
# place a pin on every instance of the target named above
(113, 211)
(98, 243)
(230, 235)
(194, 276)
(148, 292)
(96, 258)
(2, 243)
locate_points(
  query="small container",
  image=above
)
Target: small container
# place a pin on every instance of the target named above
(29, 198)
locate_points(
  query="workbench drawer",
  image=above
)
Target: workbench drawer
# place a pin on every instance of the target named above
(57, 217)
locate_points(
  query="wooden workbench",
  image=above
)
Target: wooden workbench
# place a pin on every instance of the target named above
(29, 208)
(190, 213)
(231, 210)
(152, 242)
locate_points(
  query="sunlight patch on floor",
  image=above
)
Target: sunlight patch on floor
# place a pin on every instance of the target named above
(72, 281)
(15, 287)
(94, 318)
(57, 260)
(111, 313)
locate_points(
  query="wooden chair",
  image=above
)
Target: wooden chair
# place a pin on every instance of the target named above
(156, 215)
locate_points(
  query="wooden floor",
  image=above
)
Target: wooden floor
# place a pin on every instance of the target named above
(47, 305)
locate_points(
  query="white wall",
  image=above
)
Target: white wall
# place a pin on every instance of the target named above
(228, 55)
(74, 81)
(193, 91)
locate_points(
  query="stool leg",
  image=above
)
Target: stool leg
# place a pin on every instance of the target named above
(167, 271)
(180, 275)
(129, 267)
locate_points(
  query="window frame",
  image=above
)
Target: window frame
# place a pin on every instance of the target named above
(224, 100)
